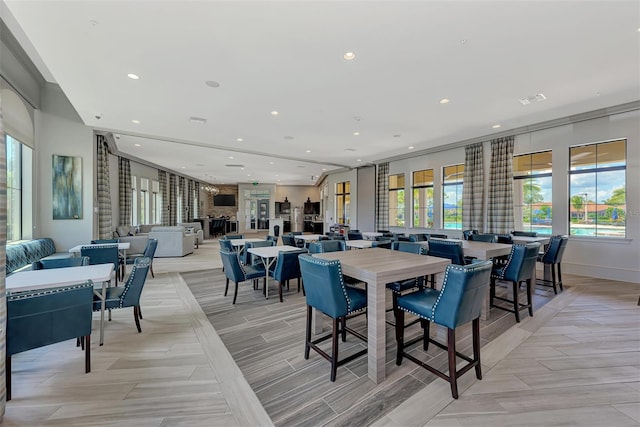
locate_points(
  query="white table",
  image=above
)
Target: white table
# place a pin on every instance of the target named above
(268, 255)
(377, 267)
(238, 244)
(308, 237)
(371, 235)
(359, 244)
(31, 280)
(122, 247)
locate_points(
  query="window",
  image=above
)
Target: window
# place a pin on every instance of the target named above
(343, 200)
(396, 200)
(452, 197)
(597, 189)
(134, 201)
(144, 201)
(17, 154)
(423, 198)
(532, 192)
(157, 202)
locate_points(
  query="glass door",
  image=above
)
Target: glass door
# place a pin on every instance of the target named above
(250, 214)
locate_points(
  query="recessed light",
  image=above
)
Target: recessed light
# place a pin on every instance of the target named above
(349, 56)
(307, 151)
(274, 113)
(349, 149)
(211, 83)
(324, 169)
(230, 157)
(356, 134)
(133, 76)
(277, 175)
(444, 101)
(495, 126)
(270, 163)
(135, 121)
(248, 174)
(359, 160)
(137, 145)
(239, 139)
(288, 137)
(397, 135)
(410, 147)
(198, 120)
(183, 167)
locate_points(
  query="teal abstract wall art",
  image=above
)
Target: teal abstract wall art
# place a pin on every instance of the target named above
(67, 187)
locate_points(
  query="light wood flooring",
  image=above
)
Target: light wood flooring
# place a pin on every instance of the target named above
(576, 362)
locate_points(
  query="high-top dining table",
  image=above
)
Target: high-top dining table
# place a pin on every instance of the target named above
(31, 280)
(377, 267)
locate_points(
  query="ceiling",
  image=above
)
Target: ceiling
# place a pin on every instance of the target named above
(265, 56)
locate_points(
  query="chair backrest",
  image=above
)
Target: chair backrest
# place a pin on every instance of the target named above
(248, 258)
(324, 286)
(323, 246)
(447, 249)
(555, 250)
(272, 239)
(287, 265)
(338, 237)
(225, 245)
(102, 254)
(409, 247)
(521, 262)
(418, 237)
(467, 233)
(505, 238)
(45, 264)
(462, 293)
(384, 244)
(234, 236)
(48, 316)
(135, 282)
(150, 250)
(354, 235)
(232, 268)
(525, 233)
(296, 233)
(104, 241)
(484, 237)
(288, 240)
(437, 236)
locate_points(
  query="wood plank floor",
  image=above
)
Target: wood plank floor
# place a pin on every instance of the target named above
(576, 362)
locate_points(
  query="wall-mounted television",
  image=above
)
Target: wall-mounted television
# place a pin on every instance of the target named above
(224, 200)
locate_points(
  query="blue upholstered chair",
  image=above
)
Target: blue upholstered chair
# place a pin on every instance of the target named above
(272, 239)
(397, 288)
(103, 254)
(504, 238)
(467, 233)
(236, 272)
(327, 292)
(287, 267)
(354, 235)
(44, 264)
(129, 294)
(483, 237)
(552, 256)
(420, 237)
(289, 240)
(524, 233)
(457, 303)
(233, 236)
(447, 249)
(436, 236)
(384, 244)
(323, 246)
(48, 316)
(149, 252)
(518, 268)
(250, 259)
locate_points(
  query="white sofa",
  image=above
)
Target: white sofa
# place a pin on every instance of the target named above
(197, 230)
(172, 241)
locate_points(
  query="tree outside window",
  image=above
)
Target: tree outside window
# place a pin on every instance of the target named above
(423, 198)
(532, 180)
(396, 200)
(452, 182)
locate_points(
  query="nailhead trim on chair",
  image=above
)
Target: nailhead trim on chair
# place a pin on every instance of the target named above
(126, 288)
(501, 275)
(333, 262)
(28, 294)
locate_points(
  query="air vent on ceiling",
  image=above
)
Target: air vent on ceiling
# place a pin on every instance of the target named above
(197, 120)
(234, 166)
(533, 98)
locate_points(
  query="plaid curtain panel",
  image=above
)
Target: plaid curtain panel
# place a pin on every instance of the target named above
(500, 203)
(103, 189)
(124, 188)
(184, 215)
(196, 210)
(173, 200)
(190, 211)
(382, 197)
(3, 261)
(162, 188)
(473, 188)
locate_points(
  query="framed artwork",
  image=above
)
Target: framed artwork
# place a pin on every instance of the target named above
(67, 187)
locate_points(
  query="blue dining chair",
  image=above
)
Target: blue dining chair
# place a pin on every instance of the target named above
(45, 264)
(458, 302)
(250, 259)
(398, 288)
(236, 272)
(287, 267)
(103, 254)
(518, 268)
(129, 294)
(322, 246)
(552, 257)
(327, 292)
(467, 233)
(483, 237)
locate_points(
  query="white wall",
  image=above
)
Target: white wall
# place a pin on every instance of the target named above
(59, 130)
(330, 208)
(366, 201)
(297, 194)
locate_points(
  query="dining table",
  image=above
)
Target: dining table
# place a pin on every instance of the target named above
(359, 244)
(371, 235)
(308, 237)
(377, 267)
(268, 255)
(238, 244)
(32, 280)
(122, 247)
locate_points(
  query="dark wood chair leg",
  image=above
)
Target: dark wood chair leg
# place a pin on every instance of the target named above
(516, 304)
(136, 317)
(399, 315)
(529, 301)
(280, 290)
(492, 291)
(553, 279)
(343, 330)
(426, 328)
(235, 293)
(151, 269)
(87, 353)
(7, 375)
(451, 350)
(140, 312)
(307, 347)
(226, 288)
(560, 277)
(334, 349)
(475, 326)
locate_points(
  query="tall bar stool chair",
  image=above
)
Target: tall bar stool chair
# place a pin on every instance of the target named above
(553, 257)
(457, 303)
(518, 268)
(398, 288)
(327, 292)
